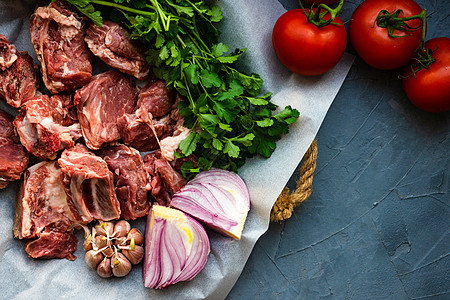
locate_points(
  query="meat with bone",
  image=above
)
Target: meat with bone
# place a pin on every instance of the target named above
(164, 179)
(7, 53)
(89, 185)
(42, 213)
(150, 116)
(47, 125)
(112, 45)
(130, 180)
(13, 156)
(107, 97)
(18, 83)
(57, 33)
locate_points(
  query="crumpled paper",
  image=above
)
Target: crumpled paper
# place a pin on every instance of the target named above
(247, 24)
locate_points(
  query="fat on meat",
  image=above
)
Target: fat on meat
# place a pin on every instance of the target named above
(107, 97)
(130, 180)
(57, 34)
(112, 45)
(150, 121)
(42, 213)
(13, 156)
(89, 185)
(47, 125)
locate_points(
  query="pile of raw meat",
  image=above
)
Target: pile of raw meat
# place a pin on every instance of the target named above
(88, 133)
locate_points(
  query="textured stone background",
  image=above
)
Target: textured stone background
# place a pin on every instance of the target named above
(377, 223)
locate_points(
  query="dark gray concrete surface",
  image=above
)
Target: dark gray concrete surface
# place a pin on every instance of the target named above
(377, 223)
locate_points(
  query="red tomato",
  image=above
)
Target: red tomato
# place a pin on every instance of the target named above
(305, 48)
(317, 2)
(430, 89)
(373, 43)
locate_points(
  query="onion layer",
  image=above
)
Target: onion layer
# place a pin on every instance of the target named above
(176, 247)
(219, 199)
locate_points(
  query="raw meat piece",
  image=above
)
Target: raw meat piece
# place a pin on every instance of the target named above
(57, 34)
(13, 161)
(13, 157)
(112, 45)
(18, 83)
(6, 127)
(42, 213)
(47, 125)
(137, 132)
(89, 185)
(7, 53)
(151, 115)
(100, 103)
(53, 244)
(164, 180)
(130, 180)
(156, 98)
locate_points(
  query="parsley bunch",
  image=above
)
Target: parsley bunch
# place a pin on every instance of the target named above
(231, 121)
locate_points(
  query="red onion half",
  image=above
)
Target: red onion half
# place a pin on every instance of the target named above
(176, 247)
(217, 198)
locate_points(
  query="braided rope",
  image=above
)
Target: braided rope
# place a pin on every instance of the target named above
(285, 204)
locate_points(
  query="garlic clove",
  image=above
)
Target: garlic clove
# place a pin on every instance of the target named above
(219, 199)
(136, 235)
(87, 244)
(121, 229)
(176, 247)
(120, 265)
(122, 241)
(134, 256)
(108, 252)
(93, 258)
(105, 228)
(104, 268)
(101, 241)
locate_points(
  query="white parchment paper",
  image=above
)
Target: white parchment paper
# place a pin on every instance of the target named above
(246, 24)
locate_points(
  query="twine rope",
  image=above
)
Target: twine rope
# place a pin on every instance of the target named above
(286, 202)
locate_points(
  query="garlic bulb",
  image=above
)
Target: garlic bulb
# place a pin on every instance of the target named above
(113, 248)
(176, 247)
(219, 199)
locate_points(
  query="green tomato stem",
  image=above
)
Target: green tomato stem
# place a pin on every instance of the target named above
(392, 21)
(317, 18)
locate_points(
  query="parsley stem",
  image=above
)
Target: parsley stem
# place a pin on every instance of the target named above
(122, 7)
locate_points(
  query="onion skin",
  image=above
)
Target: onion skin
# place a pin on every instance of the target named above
(176, 247)
(219, 199)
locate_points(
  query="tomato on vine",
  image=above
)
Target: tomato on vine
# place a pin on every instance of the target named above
(310, 41)
(426, 81)
(387, 33)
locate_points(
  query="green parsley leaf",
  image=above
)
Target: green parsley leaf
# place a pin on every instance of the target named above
(231, 149)
(189, 144)
(210, 79)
